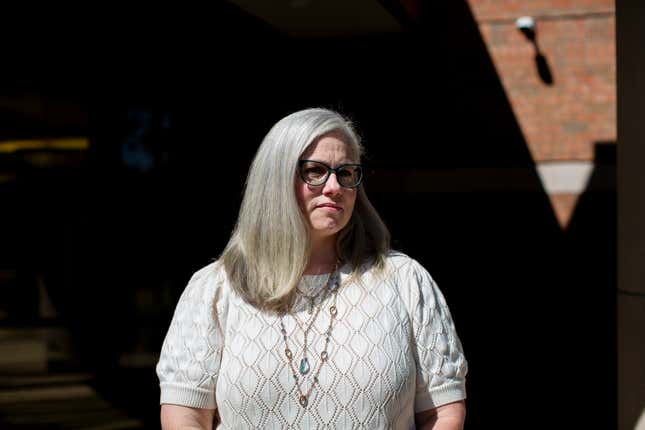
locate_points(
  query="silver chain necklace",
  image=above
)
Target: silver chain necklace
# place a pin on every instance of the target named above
(311, 299)
(304, 367)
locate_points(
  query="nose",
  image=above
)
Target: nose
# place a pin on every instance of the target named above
(332, 187)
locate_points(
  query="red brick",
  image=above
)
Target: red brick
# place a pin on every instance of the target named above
(563, 121)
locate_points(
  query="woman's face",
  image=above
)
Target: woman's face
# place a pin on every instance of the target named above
(327, 207)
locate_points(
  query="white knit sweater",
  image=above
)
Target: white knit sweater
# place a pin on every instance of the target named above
(393, 352)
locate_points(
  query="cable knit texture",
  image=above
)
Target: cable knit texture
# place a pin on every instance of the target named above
(393, 352)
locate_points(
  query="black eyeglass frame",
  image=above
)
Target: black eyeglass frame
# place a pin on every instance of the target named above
(329, 171)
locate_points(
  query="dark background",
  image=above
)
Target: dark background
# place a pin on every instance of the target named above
(177, 102)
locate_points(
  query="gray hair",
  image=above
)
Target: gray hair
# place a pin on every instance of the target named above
(268, 251)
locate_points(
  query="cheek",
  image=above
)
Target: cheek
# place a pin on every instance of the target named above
(351, 203)
(352, 198)
(303, 194)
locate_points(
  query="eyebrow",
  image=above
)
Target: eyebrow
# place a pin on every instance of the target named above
(326, 164)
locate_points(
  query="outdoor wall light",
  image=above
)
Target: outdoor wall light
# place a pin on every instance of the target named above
(526, 24)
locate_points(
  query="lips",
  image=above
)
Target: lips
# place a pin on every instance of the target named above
(330, 205)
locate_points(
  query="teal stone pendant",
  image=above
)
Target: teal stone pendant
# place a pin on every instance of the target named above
(304, 366)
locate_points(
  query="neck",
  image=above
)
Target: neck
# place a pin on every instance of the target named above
(322, 256)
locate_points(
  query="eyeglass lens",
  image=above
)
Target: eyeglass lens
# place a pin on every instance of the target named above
(315, 173)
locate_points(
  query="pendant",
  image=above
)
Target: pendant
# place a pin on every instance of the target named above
(311, 306)
(303, 401)
(304, 366)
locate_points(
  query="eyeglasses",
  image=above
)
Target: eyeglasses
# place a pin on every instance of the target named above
(316, 173)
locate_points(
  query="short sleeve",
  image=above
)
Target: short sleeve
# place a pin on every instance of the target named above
(190, 356)
(441, 365)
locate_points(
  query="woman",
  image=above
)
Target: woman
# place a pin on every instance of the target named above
(308, 319)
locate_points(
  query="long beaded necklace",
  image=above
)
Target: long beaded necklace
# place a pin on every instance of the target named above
(304, 369)
(311, 299)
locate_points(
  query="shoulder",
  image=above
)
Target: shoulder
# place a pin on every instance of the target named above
(396, 265)
(211, 271)
(411, 280)
(206, 284)
(399, 265)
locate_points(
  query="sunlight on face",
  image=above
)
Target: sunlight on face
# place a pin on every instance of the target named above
(328, 208)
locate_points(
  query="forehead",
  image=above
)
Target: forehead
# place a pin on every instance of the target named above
(333, 146)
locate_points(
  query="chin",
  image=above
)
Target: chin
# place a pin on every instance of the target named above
(326, 231)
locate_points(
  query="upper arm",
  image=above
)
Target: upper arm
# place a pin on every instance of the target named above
(175, 417)
(190, 357)
(440, 361)
(450, 416)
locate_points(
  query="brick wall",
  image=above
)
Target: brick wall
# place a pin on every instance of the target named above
(561, 121)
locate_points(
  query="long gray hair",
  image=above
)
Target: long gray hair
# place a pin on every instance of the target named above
(268, 251)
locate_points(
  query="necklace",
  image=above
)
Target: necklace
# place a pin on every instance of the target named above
(312, 299)
(304, 368)
(304, 362)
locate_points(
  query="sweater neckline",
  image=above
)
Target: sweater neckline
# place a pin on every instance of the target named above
(311, 284)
